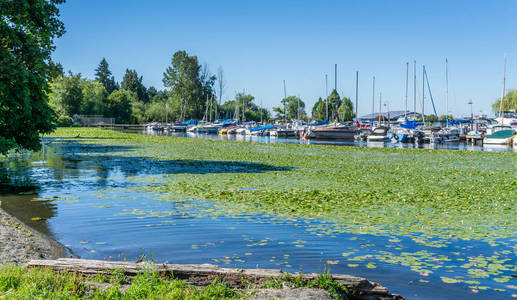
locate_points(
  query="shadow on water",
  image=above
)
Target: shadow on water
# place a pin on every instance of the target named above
(30, 212)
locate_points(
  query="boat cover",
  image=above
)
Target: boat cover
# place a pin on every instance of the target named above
(262, 128)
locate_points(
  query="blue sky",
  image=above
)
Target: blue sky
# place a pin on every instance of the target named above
(261, 43)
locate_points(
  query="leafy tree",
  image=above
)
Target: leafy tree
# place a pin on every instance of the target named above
(442, 118)
(319, 110)
(95, 98)
(430, 118)
(27, 32)
(191, 85)
(66, 94)
(334, 102)
(151, 92)
(119, 105)
(291, 103)
(133, 83)
(510, 102)
(346, 110)
(103, 75)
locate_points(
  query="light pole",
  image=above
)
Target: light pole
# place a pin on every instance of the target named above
(471, 115)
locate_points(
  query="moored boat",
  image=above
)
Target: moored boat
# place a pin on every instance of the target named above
(334, 131)
(379, 134)
(501, 137)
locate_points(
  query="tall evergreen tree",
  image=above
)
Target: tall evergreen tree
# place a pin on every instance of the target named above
(104, 76)
(133, 83)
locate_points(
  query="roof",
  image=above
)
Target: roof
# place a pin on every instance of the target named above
(394, 114)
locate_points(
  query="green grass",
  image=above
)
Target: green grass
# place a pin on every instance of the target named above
(17, 282)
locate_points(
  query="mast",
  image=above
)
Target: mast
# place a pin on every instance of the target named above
(501, 105)
(446, 93)
(326, 98)
(260, 110)
(407, 74)
(373, 99)
(243, 105)
(414, 88)
(356, 95)
(236, 114)
(423, 93)
(335, 77)
(380, 108)
(285, 97)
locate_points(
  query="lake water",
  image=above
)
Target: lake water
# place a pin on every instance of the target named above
(94, 205)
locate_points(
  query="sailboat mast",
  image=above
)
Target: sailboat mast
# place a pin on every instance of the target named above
(414, 87)
(285, 97)
(407, 80)
(373, 99)
(501, 105)
(380, 108)
(326, 97)
(446, 93)
(423, 93)
(356, 95)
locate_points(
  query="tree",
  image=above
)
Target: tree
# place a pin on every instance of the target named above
(346, 110)
(131, 82)
(442, 118)
(151, 92)
(319, 110)
(95, 98)
(430, 118)
(190, 84)
(66, 94)
(510, 103)
(334, 102)
(28, 30)
(119, 105)
(103, 75)
(292, 104)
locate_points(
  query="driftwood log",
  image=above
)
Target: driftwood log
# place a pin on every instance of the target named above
(200, 275)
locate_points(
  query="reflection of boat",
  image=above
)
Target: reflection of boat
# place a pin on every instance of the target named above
(379, 134)
(335, 131)
(501, 137)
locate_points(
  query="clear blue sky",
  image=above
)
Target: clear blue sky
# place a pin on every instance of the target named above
(261, 43)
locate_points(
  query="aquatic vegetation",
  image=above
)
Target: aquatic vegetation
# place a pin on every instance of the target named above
(433, 199)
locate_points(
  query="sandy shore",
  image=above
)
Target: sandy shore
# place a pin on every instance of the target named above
(19, 243)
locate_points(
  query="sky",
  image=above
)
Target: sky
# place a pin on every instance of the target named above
(259, 44)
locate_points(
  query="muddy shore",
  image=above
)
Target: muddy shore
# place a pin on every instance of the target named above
(19, 243)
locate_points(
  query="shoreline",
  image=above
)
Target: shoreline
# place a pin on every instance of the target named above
(19, 243)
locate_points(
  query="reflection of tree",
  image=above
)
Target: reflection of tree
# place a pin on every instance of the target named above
(32, 213)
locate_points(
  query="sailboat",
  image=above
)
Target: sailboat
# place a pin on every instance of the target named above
(501, 134)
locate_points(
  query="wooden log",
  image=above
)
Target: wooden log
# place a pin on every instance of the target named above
(200, 275)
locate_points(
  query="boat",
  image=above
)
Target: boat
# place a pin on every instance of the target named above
(379, 134)
(334, 131)
(501, 137)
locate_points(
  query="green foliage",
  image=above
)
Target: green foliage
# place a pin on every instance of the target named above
(133, 83)
(510, 102)
(346, 110)
(103, 75)
(66, 94)
(319, 110)
(191, 85)
(292, 104)
(334, 102)
(65, 121)
(28, 30)
(95, 98)
(247, 107)
(18, 282)
(430, 118)
(119, 106)
(443, 117)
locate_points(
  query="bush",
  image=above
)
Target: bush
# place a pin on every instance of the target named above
(65, 121)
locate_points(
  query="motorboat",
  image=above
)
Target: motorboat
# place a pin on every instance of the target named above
(379, 134)
(333, 131)
(500, 137)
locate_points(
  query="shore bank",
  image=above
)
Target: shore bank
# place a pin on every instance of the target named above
(19, 243)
